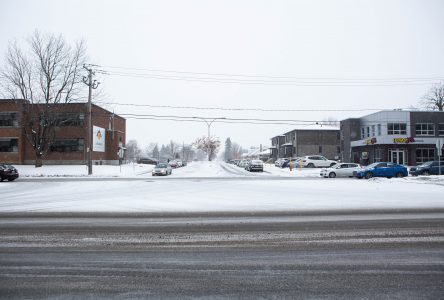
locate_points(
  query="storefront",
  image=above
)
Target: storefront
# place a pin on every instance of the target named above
(405, 151)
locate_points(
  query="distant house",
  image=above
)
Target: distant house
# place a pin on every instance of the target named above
(307, 140)
(69, 146)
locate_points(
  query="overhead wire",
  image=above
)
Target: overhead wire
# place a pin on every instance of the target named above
(272, 77)
(239, 108)
(233, 80)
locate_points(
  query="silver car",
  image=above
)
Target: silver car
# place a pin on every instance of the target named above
(340, 170)
(162, 169)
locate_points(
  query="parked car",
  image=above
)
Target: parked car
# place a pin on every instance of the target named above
(173, 164)
(147, 160)
(243, 163)
(340, 170)
(277, 163)
(381, 169)
(162, 169)
(8, 172)
(281, 162)
(294, 162)
(427, 168)
(255, 165)
(316, 161)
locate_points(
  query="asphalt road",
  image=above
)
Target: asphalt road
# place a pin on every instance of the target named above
(333, 255)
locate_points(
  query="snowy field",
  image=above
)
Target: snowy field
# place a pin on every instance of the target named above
(210, 187)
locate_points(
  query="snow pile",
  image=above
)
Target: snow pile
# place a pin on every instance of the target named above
(127, 170)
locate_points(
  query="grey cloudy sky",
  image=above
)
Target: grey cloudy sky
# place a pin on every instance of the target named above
(298, 39)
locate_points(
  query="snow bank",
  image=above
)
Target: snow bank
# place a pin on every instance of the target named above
(127, 170)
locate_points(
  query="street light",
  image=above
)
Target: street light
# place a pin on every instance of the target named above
(208, 122)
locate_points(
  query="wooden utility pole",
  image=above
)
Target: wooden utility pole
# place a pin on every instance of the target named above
(91, 85)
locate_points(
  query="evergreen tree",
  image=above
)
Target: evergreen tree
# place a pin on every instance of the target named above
(228, 153)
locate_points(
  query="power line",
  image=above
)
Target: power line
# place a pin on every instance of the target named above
(239, 108)
(400, 82)
(274, 77)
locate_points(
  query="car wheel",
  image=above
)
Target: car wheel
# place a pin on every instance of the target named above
(332, 175)
(368, 175)
(310, 165)
(11, 179)
(426, 173)
(399, 175)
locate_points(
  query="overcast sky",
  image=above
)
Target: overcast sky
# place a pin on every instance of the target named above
(328, 41)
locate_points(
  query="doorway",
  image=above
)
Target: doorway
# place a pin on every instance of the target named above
(397, 156)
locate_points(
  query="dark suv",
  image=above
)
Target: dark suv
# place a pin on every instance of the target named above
(427, 168)
(8, 172)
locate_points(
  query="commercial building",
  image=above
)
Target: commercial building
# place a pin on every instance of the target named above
(69, 145)
(399, 136)
(307, 140)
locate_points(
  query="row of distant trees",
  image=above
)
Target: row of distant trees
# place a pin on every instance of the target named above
(49, 70)
(201, 149)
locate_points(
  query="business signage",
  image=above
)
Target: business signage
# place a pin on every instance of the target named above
(98, 139)
(405, 140)
(371, 141)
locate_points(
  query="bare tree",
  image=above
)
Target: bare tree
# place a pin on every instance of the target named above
(47, 74)
(133, 151)
(236, 150)
(174, 147)
(210, 145)
(434, 99)
(330, 121)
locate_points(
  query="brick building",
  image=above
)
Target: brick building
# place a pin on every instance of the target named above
(307, 140)
(69, 146)
(399, 136)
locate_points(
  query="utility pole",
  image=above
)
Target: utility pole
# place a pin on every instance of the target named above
(91, 85)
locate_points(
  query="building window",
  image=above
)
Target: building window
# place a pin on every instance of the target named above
(320, 149)
(8, 145)
(373, 130)
(424, 154)
(338, 149)
(67, 145)
(362, 133)
(8, 119)
(441, 128)
(377, 155)
(71, 119)
(379, 129)
(425, 129)
(396, 128)
(368, 131)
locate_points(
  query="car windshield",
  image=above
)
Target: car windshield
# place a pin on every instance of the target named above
(163, 165)
(426, 164)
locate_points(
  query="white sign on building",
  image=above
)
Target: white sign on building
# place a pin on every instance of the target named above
(98, 139)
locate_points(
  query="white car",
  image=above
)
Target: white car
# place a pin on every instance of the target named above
(340, 170)
(316, 161)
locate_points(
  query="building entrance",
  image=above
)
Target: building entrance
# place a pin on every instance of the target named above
(397, 156)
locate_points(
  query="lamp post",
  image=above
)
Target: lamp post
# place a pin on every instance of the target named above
(208, 122)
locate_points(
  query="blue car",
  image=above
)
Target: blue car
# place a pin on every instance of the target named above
(427, 168)
(382, 169)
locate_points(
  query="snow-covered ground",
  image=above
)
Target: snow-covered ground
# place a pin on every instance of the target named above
(194, 169)
(127, 170)
(222, 189)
